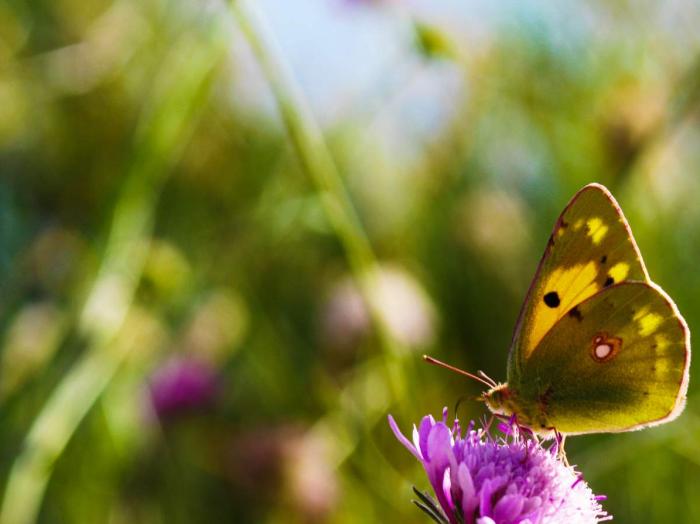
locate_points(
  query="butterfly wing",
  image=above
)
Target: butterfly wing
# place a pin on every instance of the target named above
(620, 362)
(590, 248)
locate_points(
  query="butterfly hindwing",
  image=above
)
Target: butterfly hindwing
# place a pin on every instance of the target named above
(617, 361)
(591, 248)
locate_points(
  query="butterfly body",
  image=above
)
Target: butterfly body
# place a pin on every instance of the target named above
(598, 347)
(530, 409)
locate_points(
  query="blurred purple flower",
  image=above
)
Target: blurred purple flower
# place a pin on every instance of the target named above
(479, 479)
(183, 385)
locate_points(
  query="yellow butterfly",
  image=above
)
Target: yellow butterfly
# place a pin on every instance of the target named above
(598, 347)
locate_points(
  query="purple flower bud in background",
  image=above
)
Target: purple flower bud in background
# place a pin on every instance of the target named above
(183, 385)
(479, 479)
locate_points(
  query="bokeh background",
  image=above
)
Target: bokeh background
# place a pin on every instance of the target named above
(195, 326)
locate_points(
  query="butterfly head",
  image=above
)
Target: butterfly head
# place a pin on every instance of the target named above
(505, 402)
(499, 400)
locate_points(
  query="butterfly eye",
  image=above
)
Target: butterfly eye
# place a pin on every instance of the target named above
(605, 347)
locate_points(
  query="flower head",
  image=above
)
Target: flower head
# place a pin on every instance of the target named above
(182, 385)
(479, 479)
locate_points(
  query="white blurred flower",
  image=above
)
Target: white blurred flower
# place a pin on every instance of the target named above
(31, 340)
(404, 304)
(287, 469)
(216, 327)
(167, 267)
(495, 224)
(311, 480)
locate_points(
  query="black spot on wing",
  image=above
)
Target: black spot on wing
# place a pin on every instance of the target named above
(576, 313)
(552, 299)
(603, 259)
(609, 281)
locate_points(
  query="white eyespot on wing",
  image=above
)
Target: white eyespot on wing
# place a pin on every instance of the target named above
(605, 347)
(602, 351)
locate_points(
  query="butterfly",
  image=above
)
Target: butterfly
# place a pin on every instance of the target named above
(598, 347)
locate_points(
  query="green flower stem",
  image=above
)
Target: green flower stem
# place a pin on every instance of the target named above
(164, 129)
(318, 163)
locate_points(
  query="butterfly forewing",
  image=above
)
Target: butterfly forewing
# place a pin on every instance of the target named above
(591, 248)
(619, 363)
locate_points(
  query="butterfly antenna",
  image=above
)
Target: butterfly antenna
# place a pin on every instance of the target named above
(437, 362)
(487, 378)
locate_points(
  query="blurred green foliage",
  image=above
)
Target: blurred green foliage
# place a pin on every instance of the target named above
(155, 211)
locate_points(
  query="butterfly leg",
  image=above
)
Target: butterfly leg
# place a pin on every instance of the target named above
(487, 424)
(561, 454)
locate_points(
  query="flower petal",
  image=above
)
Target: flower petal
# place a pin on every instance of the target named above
(508, 508)
(426, 425)
(469, 499)
(447, 488)
(439, 451)
(485, 506)
(407, 443)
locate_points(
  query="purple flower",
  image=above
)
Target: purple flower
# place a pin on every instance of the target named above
(479, 479)
(182, 385)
